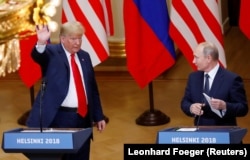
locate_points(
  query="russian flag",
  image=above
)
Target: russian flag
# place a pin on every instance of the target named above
(244, 22)
(149, 48)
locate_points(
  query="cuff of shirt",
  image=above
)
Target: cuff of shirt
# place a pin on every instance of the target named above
(40, 48)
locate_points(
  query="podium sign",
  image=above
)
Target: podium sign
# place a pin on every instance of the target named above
(50, 142)
(203, 135)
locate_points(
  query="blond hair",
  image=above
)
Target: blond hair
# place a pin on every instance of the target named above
(72, 27)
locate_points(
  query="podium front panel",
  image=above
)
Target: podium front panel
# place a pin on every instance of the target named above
(38, 141)
(193, 138)
(203, 135)
(50, 140)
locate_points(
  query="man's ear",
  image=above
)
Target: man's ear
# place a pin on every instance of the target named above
(209, 57)
(62, 38)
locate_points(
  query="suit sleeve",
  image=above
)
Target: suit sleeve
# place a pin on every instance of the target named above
(93, 94)
(186, 101)
(237, 103)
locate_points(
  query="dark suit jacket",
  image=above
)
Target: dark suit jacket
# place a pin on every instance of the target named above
(56, 72)
(226, 86)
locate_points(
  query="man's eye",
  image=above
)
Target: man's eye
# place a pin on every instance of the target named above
(74, 39)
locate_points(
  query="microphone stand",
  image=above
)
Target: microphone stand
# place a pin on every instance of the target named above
(198, 120)
(43, 85)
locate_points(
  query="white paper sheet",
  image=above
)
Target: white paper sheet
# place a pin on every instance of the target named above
(187, 129)
(216, 111)
(47, 130)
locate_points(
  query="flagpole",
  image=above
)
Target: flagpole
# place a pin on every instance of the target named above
(152, 117)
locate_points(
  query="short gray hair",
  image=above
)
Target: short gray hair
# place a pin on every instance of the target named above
(210, 49)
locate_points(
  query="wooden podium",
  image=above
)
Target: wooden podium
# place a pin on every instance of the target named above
(50, 144)
(202, 135)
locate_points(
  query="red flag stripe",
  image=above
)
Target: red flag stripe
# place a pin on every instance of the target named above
(206, 17)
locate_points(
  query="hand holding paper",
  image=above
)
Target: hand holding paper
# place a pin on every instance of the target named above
(216, 111)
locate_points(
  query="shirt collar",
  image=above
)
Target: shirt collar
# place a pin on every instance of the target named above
(213, 72)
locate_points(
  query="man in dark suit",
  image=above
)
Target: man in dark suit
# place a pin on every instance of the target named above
(59, 100)
(226, 91)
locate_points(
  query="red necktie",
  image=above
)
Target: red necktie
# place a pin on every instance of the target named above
(82, 105)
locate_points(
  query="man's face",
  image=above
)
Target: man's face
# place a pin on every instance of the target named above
(72, 42)
(200, 60)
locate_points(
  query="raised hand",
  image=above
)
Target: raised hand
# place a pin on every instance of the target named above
(43, 34)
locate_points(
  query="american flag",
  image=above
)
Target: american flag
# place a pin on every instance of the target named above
(96, 16)
(195, 21)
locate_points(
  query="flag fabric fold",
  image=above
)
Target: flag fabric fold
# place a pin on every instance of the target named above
(29, 70)
(244, 21)
(149, 48)
(193, 22)
(96, 17)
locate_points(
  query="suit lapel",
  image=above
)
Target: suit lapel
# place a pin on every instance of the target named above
(83, 66)
(62, 55)
(200, 83)
(82, 62)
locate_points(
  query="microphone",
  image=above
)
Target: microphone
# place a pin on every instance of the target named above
(42, 90)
